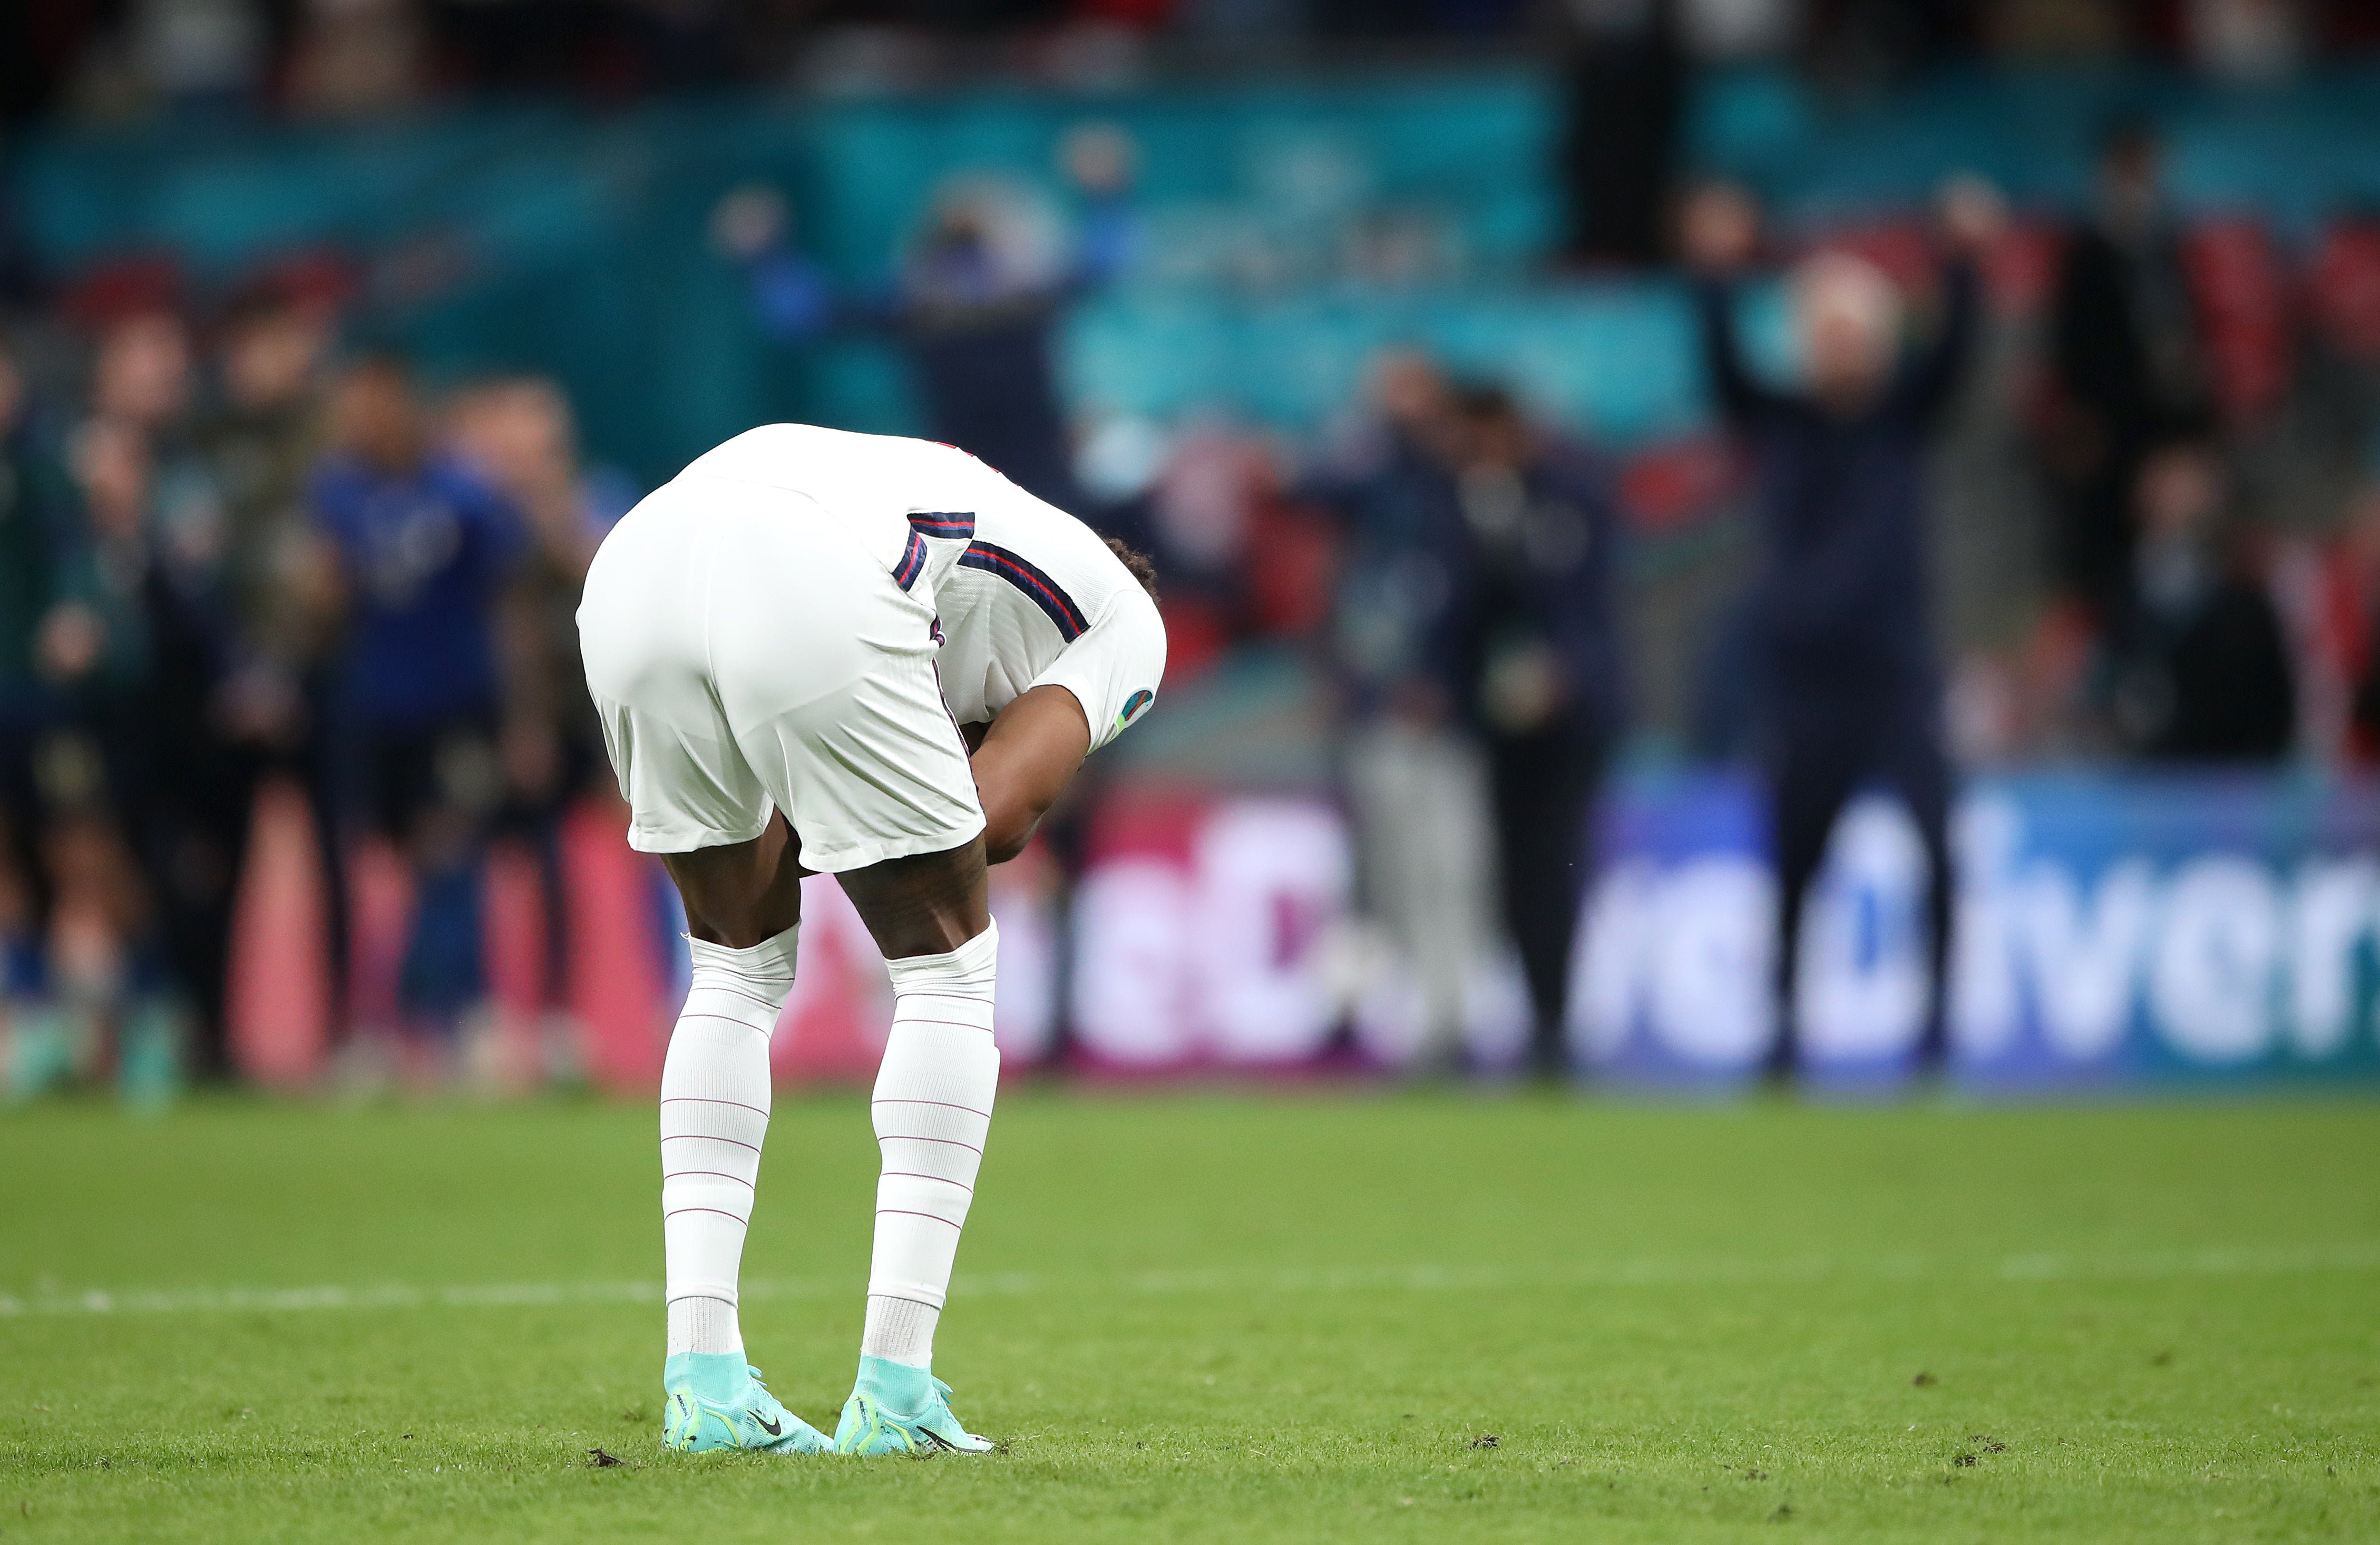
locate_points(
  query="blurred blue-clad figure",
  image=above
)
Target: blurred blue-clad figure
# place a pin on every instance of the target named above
(975, 303)
(1853, 691)
(424, 549)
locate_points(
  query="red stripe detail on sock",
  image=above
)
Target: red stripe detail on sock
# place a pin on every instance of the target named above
(708, 1100)
(896, 1100)
(706, 1137)
(946, 1142)
(912, 1174)
(681, 1174)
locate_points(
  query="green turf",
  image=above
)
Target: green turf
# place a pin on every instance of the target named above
(1222, 1319)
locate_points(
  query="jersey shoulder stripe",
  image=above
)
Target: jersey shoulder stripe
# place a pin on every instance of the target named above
(955, 525)
(1038, 587)
(912, 562)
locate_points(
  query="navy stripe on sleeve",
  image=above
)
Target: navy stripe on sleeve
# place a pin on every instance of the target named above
(954, 525)
(913, 563)
(1039, 587)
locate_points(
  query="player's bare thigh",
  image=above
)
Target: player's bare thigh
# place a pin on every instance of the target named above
(744, 892)
(927, 904)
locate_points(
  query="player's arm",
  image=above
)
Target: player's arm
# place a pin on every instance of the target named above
(1024, 762)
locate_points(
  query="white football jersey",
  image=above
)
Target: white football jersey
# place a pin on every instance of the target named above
(1025, 595)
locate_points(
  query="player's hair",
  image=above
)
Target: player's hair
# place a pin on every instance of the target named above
(1143, 567)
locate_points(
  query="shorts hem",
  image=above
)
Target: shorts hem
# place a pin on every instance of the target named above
(847, 856)
(667, 843)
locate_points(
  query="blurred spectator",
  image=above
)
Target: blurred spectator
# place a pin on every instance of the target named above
(237, 627)
(2353, 607)
(518, 434)
(1416, 785)
(2254, 43)
(1626, 89)
(1853, 693)
(1530, 651)
(261, 443)
(355, 57)
(200, 53)
(2128, 358)
(151, 522)
(628, 45)
(99, 764)
(2205, 672)
(48, 638)
(424, 550)
(977, 300)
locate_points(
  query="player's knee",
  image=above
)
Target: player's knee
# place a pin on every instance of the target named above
(925, 903)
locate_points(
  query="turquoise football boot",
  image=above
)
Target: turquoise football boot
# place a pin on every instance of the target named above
(716, 1401)
(898, 1409)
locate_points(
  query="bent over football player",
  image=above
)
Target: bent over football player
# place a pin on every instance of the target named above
(795, 644)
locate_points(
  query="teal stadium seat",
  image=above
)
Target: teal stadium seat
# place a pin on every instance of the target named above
(1292, 227)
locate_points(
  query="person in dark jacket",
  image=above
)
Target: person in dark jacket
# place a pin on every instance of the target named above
(1853, 691)
(53, 640)
(1416, 781)
(2203, 665)
(2128, 357)
(1530, 646)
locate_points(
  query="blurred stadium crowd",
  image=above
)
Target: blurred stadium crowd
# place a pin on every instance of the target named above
(231, 557)
(243, 545)
(371, 56)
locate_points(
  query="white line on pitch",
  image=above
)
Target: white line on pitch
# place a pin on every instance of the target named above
(2033, 1267)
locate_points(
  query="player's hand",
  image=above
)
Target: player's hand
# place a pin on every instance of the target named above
(1718, 230)
(1028, 758)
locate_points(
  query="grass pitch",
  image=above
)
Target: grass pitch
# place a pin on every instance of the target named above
(1205, 1317)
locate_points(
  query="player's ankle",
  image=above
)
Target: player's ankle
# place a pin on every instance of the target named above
(718, 1377)
(901, 1388)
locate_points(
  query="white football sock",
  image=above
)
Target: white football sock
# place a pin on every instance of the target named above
(932, 1109)
(714, 1117)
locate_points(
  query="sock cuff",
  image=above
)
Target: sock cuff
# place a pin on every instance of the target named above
(966, 972)
(686, 1293)
(769, 962)
(895, 1291)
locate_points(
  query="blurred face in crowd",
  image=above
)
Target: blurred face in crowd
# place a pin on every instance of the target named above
(112, 463)
(375, 416)
(1492, 435)
(142, 374)
(1849, 318)
(1099, 158)
(2180, 495)
(269, 358)
(519, 431)
(2130, 178)
(1409, 389)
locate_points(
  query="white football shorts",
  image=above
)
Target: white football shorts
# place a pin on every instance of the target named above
(749, 654)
